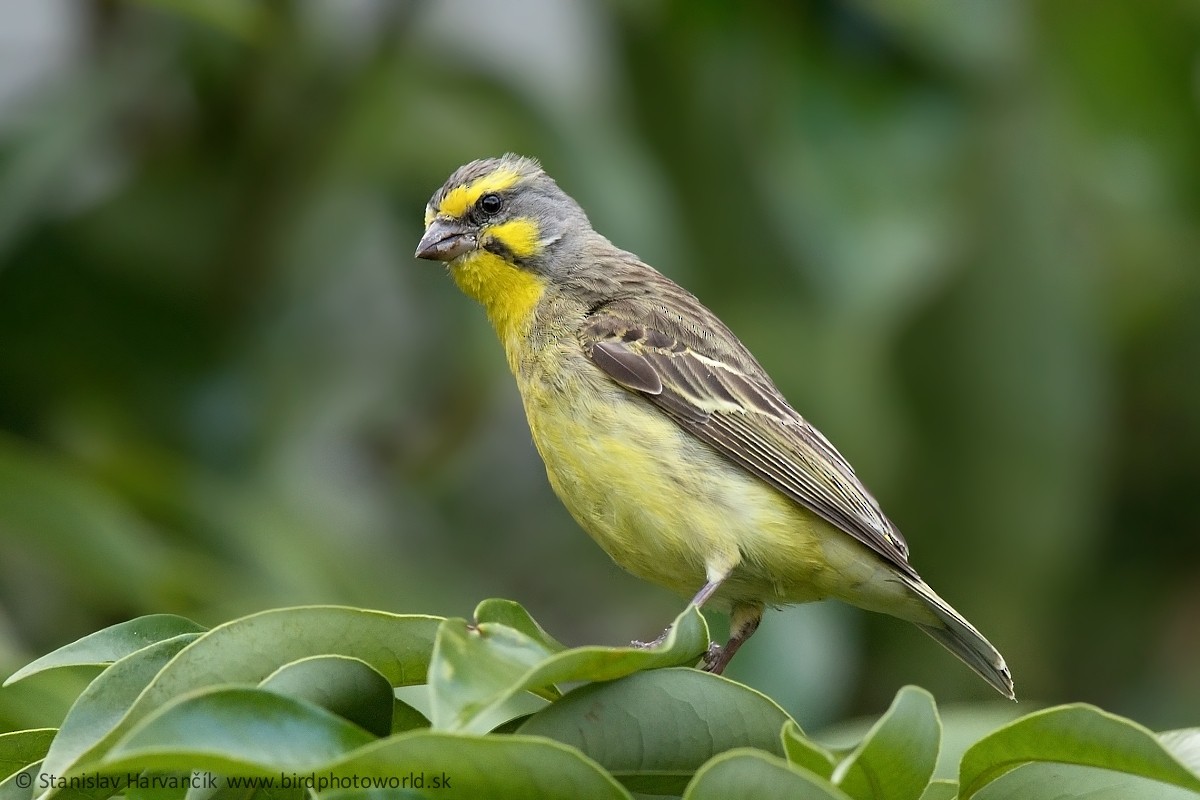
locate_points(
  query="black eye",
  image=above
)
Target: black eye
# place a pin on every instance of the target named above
(491, 203)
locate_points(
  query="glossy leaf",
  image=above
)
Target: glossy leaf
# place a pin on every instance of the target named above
(896, 759)
(477, 669)
(236, 731)
(507, 612)
(374, 794)
(653, 730)
(20, 785)
(752, 775)
(806, 754)
(1074, 734)
(172, 786)
(346, 686)
(228, 789)
(111, 644)
(482, 767)
(940, 790)
(103, 704)
(406, 718)
(1184, 744)
(251, 648)
(1049, 781)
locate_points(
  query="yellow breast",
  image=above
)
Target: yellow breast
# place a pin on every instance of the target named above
(661, 503)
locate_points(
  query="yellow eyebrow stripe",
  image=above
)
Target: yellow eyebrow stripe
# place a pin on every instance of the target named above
(459, 199)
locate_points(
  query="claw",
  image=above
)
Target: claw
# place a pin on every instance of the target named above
(711, 660)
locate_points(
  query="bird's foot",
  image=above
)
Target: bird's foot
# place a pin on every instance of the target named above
(713, 660)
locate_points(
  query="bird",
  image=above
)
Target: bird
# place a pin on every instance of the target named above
(660, 432)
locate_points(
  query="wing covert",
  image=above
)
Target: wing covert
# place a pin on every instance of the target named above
(743, 417)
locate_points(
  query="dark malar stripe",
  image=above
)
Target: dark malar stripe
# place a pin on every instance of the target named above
(496, 247)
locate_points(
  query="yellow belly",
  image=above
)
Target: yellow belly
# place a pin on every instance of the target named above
(670, 509)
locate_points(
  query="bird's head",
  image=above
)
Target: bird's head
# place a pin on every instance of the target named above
(506, 232)
(507, 207)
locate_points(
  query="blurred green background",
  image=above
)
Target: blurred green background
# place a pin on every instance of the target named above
(962, 237)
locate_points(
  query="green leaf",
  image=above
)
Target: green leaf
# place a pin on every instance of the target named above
(940, 790)
(895, 760)
(248, 650)
(475, 670)
(653, 730)
(480, 767)
(1184, 744)
(753, 775)
(514, 615)
(227, 789)
(19, 749)
(236, 731)
(20, 785)
(251, 648)
(962, 726)
(806, 754)
(1074, 734)
(374, 794)
(109, 645)
(406, 718)
(349, 687)
(90, 723)
(1049, 781)
(166, 786)
(512, 725)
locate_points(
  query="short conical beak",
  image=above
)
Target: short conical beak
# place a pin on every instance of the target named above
(445, 240)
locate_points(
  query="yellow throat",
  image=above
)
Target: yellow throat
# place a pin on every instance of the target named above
(507, 293)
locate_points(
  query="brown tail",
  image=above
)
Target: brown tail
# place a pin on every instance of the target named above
(960, 637)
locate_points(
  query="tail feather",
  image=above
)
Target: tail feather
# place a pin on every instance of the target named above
(960, 638)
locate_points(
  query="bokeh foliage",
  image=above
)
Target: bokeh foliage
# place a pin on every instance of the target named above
(961, 237)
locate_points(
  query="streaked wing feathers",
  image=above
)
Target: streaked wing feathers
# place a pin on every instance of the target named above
(743, 417)
(632, 372)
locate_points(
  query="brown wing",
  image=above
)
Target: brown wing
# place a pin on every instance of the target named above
(730, 404)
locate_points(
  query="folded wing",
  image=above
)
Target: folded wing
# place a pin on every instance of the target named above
(722, 401)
